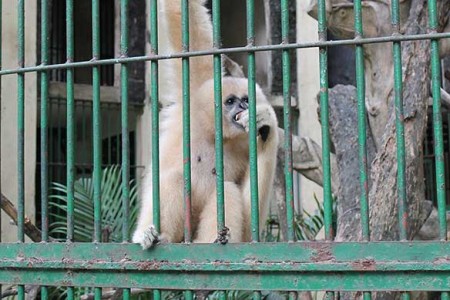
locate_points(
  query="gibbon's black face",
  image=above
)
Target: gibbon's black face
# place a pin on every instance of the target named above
(233, 106)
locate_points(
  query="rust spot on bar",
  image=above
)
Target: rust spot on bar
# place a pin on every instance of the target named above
(367, 264)
(322, 253)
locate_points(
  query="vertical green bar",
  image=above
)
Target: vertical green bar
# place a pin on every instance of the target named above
(126, 294)
(186, 123)
(70, 123)
(399, 125)
(125, 135)
(44, 119)
(96, 118)
(188, 295)
(445, 296)
(361, 95)
(252, 121)
(155, 120)
(218, 116)
(44, 128)
(437, 121)
(97, 293)
(286, 61)
(324, 117)
(155, 111)
(70, 293)
(256, 295)
(20, 121)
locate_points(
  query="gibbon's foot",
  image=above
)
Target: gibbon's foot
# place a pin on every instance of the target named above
(265, 119)
(223, 236)
(147, 238)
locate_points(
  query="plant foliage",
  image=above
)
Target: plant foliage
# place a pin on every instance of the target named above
(112, 210)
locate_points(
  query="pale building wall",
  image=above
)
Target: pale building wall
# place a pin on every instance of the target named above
(308, 87)
(9, 111)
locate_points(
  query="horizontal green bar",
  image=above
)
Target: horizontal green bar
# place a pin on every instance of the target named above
(246, 49)
(268, 266)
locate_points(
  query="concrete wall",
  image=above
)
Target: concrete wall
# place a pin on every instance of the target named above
(308, 87)
(9, 111)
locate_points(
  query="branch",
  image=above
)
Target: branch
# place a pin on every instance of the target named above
(30, 229)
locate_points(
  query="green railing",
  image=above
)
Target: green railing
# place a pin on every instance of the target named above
(291, 266)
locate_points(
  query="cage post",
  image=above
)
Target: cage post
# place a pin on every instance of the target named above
(324, 117)
(186, 124)
(253, 159)
(124, 117)
(44, 129)
(218, 116)
(20, 131)
(399, 125)
(437, 120)
(287, 121)
(154, 76)
(96, 118)
(70, 122)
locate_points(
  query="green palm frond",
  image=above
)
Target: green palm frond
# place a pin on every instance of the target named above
(111, 206)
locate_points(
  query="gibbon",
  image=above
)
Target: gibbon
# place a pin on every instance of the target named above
(235, 145)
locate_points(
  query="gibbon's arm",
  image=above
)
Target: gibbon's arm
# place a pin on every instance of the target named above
(200, 34)
(267, 126)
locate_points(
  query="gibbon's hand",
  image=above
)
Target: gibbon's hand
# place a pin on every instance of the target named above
(147, 238)
(265, 120)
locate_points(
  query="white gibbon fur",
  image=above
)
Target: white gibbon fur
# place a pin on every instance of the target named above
(235, 144)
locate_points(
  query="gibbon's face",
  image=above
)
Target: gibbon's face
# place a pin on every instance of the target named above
(233, 106)
(234, 102)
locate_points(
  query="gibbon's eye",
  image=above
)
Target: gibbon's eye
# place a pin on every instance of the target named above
(245, 99)
(230, 100)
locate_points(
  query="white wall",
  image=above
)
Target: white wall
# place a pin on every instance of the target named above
(9, 111)
(308, 87)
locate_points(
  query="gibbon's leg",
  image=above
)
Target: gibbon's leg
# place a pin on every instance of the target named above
(171, 211)
(234, 218)
(266, 124)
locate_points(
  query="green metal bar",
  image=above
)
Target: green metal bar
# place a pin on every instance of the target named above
(70, 123)
(21, 292)
(126, 294)
(437, 121)
(20, 122)
(288, 173)
(44, 293)
(445, 296)
(135, 59)
(218, 116)
(124, 110)
(96, 118)
(257, 258)
(70, 293)
(186, 123)
(324, 117)
(44, 120)
(399, 125)
(188, 295)
(98, 293)
(361, 94)
(155, 112)
(253, 147)
(222, 295)
(155, 120)
(405, 296)
(256, 295)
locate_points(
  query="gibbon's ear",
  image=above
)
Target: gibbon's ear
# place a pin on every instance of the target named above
(232, 68)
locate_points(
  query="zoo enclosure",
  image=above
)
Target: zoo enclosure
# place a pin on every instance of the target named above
(291, 266)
